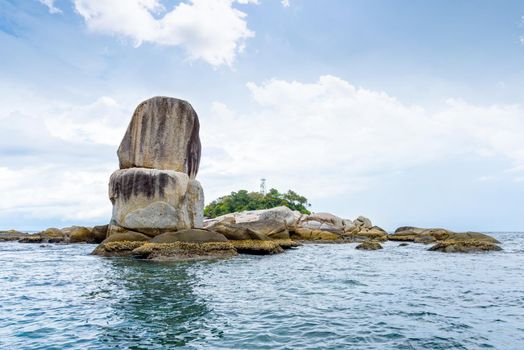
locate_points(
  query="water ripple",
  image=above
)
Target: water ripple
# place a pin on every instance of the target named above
(314, 297)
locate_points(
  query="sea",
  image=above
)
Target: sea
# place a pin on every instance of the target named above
(318, 296)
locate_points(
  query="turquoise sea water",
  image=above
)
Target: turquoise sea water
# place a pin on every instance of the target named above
(313, 297)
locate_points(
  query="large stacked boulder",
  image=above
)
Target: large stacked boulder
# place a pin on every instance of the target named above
(155, 190)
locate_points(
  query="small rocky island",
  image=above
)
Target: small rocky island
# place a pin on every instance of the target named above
(158, 206)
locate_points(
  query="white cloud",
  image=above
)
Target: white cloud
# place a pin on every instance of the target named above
(51, 6)
(211, 30)
(325, 139)
(330, 137)
(285, 3)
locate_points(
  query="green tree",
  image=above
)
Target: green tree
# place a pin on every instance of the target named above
(244, 200)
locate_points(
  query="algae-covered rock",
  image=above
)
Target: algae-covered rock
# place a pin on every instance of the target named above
(466, 246)
(257, 247)
(184, 251)
(287, 243)
(11, 235)
(424, 239)
(369, 245)
(192, 236)
(50, 235)
(117, 248)
(374, 233)
(464, 236)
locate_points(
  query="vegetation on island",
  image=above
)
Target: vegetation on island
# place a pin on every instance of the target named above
(244, 200)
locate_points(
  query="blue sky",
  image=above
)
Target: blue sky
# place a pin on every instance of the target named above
(408, 112)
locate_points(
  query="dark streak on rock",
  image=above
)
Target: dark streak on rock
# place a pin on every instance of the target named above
(137, 182)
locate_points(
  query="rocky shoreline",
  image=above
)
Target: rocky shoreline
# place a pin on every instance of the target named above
(158, 206)
(261, 232)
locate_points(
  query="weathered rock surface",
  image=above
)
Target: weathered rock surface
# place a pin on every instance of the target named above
(465, 246)
(163, 134)
(129, 236)
(154, 201)
(369, 245)
(280, 214)
(321, 221)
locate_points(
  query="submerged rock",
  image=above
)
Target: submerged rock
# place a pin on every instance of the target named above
(369, 245)
(163, 134)
(465, 246)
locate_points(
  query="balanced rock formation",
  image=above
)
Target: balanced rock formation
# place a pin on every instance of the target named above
(155, 190)
(163, 134)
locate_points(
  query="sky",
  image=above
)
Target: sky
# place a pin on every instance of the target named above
(406, 112)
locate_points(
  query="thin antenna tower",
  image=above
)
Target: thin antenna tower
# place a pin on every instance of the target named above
(263, 186)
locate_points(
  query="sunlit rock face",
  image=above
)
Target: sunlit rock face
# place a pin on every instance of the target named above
(163, 134)
(155, 189)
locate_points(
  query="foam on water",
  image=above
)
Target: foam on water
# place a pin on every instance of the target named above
(317, 296)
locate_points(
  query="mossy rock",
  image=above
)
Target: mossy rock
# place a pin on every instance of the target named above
(182, 251)
(466, 246)
(375, 234)
(257, 247)
(287, 243)
(117, 248)
(34, 238)
(191, 236)
(78, 234)
(307, 234)
(53, 235)
(369, 245)
(11, 235)
(402, 237)
(477, 236)
(425, 239)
